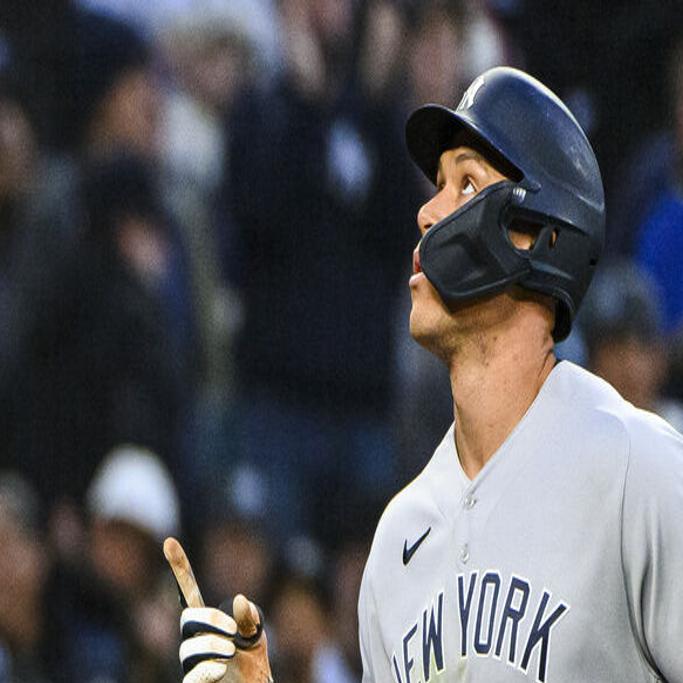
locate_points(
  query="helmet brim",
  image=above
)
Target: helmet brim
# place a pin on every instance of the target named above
(431, 129)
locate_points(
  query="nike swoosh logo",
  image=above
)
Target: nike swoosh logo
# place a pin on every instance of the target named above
(409, 552)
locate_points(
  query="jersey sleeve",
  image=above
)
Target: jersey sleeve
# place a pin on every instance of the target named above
(652, 544)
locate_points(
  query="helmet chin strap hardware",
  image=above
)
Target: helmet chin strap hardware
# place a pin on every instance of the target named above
(518, 195)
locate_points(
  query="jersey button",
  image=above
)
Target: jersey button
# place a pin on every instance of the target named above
(469, 501)
(464, 554)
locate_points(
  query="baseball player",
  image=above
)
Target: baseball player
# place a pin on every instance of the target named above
(544, 539)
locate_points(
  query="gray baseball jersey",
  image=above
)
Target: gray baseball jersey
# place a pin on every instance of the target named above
(561, 561)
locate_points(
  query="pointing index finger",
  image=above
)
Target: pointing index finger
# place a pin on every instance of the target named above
(183, 572)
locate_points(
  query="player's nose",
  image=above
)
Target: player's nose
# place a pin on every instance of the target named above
(431, 213)
(425, 219)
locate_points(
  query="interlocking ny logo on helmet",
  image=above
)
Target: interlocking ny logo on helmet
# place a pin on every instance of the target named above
(559, 191)
(468, 98)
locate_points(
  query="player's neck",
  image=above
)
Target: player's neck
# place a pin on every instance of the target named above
(494, 380)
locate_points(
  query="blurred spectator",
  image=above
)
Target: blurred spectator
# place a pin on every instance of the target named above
(346, 574)
(651, 202)
(660, 237)
(18, 161)
(236, 557)
(211, 61)
(651, 173)
(426, 51)
(608, 62)
(118, 369)
(488, 39)
(380, 53)
(255, 18)
(437, 58)
(133, 506)
(35, 37)
(18, 152)
(622, 326)
(55, 626)
(111, 99)
(235, 553)
(323, 200)
(100, 327)
(304, 650)
(24, 566)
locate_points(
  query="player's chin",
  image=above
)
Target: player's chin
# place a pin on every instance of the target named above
(429, 334)
(419, 333)
(425, 319)
(426, 302)
(431, 322)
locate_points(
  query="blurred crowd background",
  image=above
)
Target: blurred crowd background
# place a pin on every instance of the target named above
(207, 215)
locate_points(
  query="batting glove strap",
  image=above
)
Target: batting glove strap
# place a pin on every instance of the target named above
(194, 620)
(205, 647)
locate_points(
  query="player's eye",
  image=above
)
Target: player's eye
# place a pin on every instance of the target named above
(467, 187)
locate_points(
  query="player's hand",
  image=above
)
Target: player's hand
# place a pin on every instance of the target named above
(217, 648)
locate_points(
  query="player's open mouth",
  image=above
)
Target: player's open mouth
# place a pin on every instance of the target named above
(416, 260)
(417, 268)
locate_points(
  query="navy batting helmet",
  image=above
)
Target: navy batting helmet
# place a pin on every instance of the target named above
(556, 187)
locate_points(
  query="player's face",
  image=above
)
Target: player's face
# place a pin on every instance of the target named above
(463, 173)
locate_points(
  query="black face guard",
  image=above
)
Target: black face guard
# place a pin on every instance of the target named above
(469, 253)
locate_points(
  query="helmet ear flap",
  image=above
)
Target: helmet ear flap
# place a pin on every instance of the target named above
(553, 261)
(545, 259)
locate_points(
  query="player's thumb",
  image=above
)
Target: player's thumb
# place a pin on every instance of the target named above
(246, 615)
